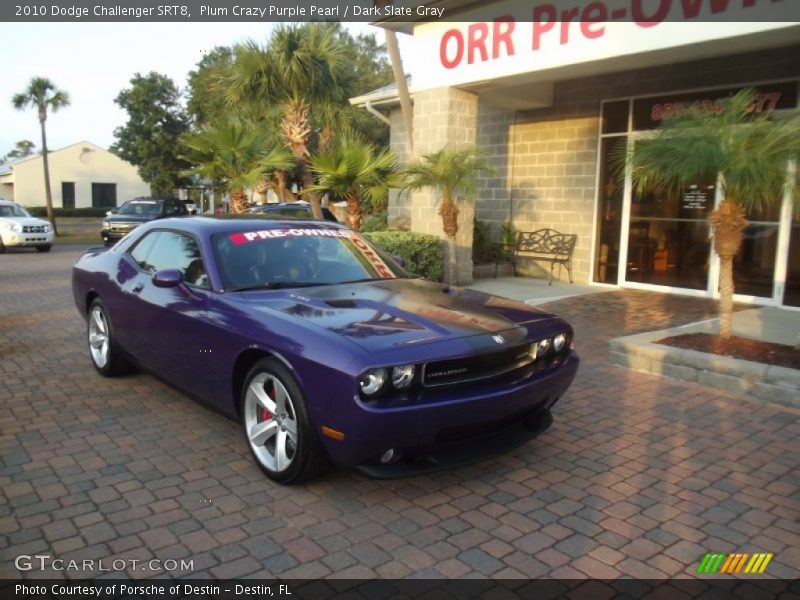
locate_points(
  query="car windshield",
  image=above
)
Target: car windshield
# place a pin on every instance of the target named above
(13, 210)
(141, 208)
(299, 257)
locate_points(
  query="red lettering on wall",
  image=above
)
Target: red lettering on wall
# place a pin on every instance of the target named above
(657, 17)
(444, 45)
(476, 35)
(501, 34)
(594, 12)
(544, 18)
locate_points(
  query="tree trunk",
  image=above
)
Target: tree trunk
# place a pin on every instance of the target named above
(354, 211)
(451, 276)
(726, 288)
(728, 223)
(238, 201)
(48, 194)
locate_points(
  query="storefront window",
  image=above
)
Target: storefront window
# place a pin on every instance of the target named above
(791, 293)
(609, 216)
(754, 266)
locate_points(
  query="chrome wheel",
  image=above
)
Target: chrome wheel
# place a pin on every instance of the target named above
(99, 338)
(270, 422)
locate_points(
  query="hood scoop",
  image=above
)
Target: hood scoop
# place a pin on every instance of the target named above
(341, 303)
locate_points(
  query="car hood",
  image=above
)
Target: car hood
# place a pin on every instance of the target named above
(24, 221)
(382, 314)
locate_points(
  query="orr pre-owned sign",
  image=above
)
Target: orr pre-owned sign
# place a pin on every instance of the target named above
(511, 37)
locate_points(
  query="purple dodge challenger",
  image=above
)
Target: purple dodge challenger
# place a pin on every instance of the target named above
(322, 346)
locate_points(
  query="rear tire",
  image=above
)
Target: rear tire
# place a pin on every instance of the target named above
(44, 248)
(107, 357)
(277, 425)
(2, 246)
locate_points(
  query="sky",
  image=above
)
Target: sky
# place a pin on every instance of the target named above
(93, 62)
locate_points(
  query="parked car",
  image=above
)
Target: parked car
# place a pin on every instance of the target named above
(291, 210)
(134, 212)
(18, 229)
(322, 346)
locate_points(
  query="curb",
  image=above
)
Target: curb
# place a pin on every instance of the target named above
(767, 383)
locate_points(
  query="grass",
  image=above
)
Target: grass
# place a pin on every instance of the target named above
(78, 231)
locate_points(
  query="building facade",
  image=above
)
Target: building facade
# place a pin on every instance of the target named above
(81, 175)
(549, 100)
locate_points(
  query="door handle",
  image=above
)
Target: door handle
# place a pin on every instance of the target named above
(138, 288)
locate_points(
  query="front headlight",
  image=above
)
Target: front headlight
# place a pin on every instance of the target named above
(402, 377)
(372, 381)
(15, 227)
(106, 225)
(47, 228)
(543, 347)
(559, 342)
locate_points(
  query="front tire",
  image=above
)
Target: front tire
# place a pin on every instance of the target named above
(44, 248)
(106, 355)
(277, 425)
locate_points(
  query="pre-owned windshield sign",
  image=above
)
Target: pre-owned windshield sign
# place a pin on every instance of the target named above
(266, 234)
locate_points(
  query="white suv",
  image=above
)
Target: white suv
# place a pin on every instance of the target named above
(18, 228)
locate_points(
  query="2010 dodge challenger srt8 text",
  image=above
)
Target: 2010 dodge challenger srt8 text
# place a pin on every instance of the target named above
(322, 345)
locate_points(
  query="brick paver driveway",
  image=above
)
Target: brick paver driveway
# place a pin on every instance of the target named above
(638, 476)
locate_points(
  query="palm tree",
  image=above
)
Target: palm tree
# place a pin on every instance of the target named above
(750, 152)
(42, 95)
(455, 173)
(297, 69)
(355, 170)
(233, 155)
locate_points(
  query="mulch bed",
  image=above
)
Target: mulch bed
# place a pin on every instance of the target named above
(737, 347)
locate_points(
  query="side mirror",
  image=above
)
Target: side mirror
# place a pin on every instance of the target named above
(167, 278)
(399, 260)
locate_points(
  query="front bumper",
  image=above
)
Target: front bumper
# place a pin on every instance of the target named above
(27, 240)
(468, 423)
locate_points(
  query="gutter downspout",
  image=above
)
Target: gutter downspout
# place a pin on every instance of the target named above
(376, 113)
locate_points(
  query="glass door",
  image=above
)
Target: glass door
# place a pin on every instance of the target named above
(668, 237)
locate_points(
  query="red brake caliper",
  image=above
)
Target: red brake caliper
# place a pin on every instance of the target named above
(265, 414)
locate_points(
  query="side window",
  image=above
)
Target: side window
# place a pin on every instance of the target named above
(171, 250)
(142, 250)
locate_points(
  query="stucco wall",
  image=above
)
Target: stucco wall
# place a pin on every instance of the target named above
(82, 163)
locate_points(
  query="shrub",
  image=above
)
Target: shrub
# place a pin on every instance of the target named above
(376, 222)
(91, 211)
(422, 253)
(483, 248)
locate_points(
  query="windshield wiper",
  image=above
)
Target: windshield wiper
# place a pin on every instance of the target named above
(279, 285)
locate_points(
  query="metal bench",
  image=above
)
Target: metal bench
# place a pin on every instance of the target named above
(543, 244)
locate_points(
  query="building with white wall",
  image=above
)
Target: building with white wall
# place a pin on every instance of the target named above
(81, 175)
(548, 90)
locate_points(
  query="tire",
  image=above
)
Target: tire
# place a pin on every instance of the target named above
(2, 246)
(107, 357)
(44, 248)
(277, 425)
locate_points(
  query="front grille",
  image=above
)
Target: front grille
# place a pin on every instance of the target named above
(474, 368)
(33, 228)
(123, 227)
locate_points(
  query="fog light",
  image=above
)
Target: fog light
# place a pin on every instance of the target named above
(390, 455)
(559, 342)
